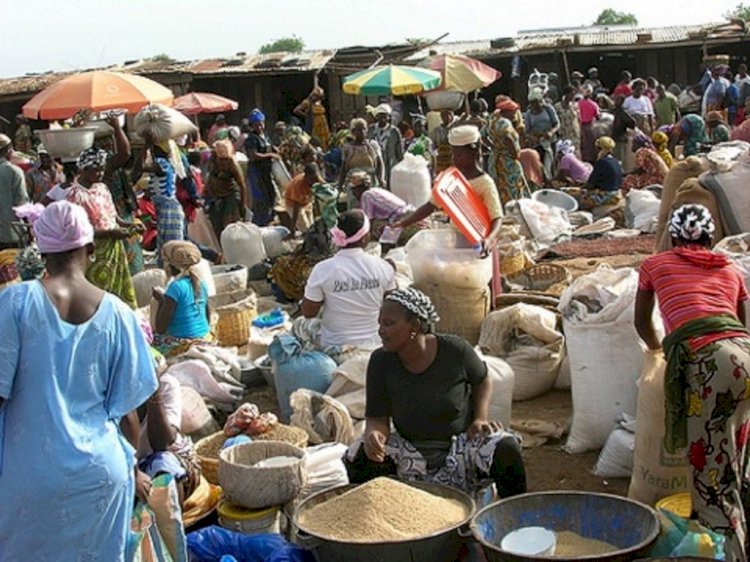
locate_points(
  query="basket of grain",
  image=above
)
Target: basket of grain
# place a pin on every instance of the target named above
(384, 519)
(262, 473)
(235, 311)
(208, 448)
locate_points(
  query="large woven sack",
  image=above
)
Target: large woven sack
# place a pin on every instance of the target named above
(656, 473)
(461, 310)
(256, 488)
(162, 122)
(691, 192)
(691, 167)
(242, 243)
(526, 337)
(145, 282)
(604, 352)
(325, 419)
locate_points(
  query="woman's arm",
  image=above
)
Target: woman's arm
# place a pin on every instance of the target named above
(238, 177)
(643, 321)
(122, 145)
(131, 428)
(420, 214)
(310, 309)
(489, 242)
(302, 109)
(377, 431)
(513, 151)
(164, 312)
(161, 434)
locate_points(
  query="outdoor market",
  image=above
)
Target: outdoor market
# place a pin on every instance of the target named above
(452, 319)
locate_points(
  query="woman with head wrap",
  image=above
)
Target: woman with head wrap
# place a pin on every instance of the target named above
(388, 138)
(261, 155)
(691, 131)
(570, 117)
(465, 141)
(162, 186)
(701, 296)
(570, 169)
(505, 147)
(349, 287)
(435, 391)
(661, 146)
(420, 144)
(589, 113)
(542, 124)
(108, 269)
(75, 364)
(623, 129)
(650, 168)
(313, 112)
(603, 186)
(439, 136)
(717, 129)
(182, 314)
(295, 150)
(361, 155)
(225, 191)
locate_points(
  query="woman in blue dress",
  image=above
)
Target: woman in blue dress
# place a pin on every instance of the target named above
(73, 363)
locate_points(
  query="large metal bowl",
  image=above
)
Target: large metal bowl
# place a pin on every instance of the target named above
(629, 525)
(442, 546)
(67, 143)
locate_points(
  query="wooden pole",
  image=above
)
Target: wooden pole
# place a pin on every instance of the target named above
(567, 68)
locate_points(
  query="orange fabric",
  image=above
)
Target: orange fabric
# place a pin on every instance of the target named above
(298, 191)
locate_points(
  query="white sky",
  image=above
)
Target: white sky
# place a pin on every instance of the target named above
(42, 35)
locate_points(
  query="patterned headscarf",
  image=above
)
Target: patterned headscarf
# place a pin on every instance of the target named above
(417, 303)
(692, 223)
(565, 147)
(605, 145)
(183, 255)
(660, 139)
(92, 158)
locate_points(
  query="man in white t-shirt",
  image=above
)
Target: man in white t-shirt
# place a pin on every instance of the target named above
(349, 287)
(640, 108)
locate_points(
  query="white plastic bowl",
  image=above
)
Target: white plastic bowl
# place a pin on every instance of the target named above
(437, 101)
(555, 198)
(67, 143)
(530, 541)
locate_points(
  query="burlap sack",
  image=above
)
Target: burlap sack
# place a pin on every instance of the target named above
(691, 192)
(691, 167)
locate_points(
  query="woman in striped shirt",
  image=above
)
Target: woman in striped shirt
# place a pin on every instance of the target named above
(707, 383)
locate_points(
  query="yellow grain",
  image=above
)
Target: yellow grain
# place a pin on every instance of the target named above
(572, 544)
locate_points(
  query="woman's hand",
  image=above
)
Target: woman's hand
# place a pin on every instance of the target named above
(158, 294)
(143, 485)
(375, 445)
(480, 428)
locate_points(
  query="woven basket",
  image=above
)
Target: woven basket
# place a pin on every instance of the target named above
(461, 310)
(541, 277)
(208, 448)
(253, 487)
(512, 258)
(235, 311)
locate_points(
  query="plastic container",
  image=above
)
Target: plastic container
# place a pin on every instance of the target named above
(67, 144)
(462, 204)
(437, 101)
(532, 541)
(436, 258)
(555, 198)
(249, 521)
(679, 504)
(410, 180)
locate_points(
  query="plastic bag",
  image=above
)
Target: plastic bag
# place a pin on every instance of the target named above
(545, 224)
(683, 537)
(325, 419)
(410, 180)
(211, 543)
(242, 243)
(616, 458)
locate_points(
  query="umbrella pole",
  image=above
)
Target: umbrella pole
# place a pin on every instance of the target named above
(467, 109)
(197, 126)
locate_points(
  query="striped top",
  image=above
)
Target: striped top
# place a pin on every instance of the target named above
(691, 283)
(166, 185)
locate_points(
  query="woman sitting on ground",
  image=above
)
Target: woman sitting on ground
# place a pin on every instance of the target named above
(182, 317)
(650, 167)
(436, 392)
(570, 169)
(603, 186)
(464, 140)
(661, 146)
(702, 296)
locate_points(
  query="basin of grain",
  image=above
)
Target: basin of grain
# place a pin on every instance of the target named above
(570, 544)
(383, 510)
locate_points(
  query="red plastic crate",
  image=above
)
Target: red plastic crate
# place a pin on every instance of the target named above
(462, 204)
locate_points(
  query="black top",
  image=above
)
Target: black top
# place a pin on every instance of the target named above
(607, 174)
(432, 406)
(261, 145)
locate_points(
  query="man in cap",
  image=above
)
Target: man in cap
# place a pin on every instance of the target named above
(576, 78)
(388, 138)
(12, 194)
(593, 81)
(41, 178)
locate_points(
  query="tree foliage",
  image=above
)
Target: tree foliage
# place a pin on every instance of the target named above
(291, 44)
(613, 17)
(741, 11)
(162, 57)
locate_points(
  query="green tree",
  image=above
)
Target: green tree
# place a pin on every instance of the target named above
(162, 57)
(613, 17)
(741, 11)
(291, 44)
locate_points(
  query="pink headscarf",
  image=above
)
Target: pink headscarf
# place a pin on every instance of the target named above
(62, 227)
(342, 241)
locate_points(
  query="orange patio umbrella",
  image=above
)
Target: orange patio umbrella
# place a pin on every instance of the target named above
(195, 103)
(96, 91)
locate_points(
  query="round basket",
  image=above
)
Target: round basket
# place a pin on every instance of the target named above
(541, 277)
(256, 487)
(208, 448)
(235, 312)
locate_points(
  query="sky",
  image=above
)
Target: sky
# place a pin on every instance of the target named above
(64, 35)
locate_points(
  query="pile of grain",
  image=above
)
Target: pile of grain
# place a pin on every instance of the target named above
(382, 510)
(570, 544)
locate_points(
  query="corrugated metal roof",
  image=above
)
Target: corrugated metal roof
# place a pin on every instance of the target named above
(449, 48)
(270, 63)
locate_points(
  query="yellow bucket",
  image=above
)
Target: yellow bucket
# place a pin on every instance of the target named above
(679, 504)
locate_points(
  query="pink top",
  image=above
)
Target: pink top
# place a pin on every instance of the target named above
(97, 202)
(576, 170)
(588, 110)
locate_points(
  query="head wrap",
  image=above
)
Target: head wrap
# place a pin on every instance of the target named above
(92, 158)
(383, 108)
(565, 147)
(223, 149)
(641, 140)
(587, 89)
(184, 256)
(357, 179)
(4, 140)
(660, 138)
(605, 144)
(256, 116)
(417, 118)
(62, 227)
(691, 223)
(592, 70)
(463, 135)
(714, 117)
(318, 91)
(418, 304)
(506, 104)
(536, 94)
(340, 238)
(576, 74)
(370, 110)
(358, 121)
(234, 133)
